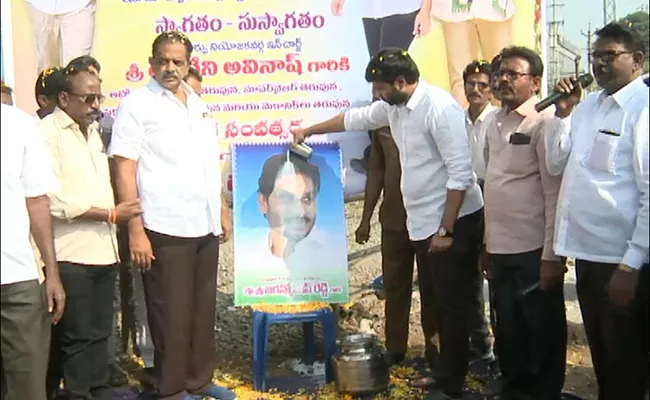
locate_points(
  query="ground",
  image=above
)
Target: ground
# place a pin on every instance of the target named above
(234, 327)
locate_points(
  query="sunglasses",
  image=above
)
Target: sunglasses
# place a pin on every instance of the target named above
(89, 99)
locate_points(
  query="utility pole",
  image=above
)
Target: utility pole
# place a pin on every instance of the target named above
(553, 37)
(609, 11)
(588, 35)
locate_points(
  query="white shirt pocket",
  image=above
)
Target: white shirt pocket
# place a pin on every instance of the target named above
(602, 154)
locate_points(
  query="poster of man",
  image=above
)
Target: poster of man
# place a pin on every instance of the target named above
(289, 224)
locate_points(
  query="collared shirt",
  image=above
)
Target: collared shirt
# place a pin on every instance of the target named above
(59, 7)
(520, 194)
(81, 166)
(476, 137)
(467, 10)
(384, 160)
(385, 8)
(315, 258)
(177, 150)
(603, 204)
(26, 172)
(435, 156)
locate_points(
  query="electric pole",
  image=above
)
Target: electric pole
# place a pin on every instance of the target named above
(609, 11)
(588, 35)
(553, 35)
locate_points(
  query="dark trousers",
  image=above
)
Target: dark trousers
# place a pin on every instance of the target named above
(180, 291)
(447, 278)
(531, 329)
(84, 329)
(54, 366)
(397, 257)
(390, 31)
(618, 337)
(25, 340)
(479, 332)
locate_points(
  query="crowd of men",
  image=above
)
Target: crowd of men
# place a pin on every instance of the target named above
(515, 191)
(504, 192)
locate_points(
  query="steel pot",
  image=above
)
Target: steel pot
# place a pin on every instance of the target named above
(360, 366)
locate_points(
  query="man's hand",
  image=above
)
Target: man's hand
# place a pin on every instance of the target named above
(485, 264)
(141, 251)
(300, 135)
(422, 24)
(564, 106)
(622, 285)
(439, 244)
(551, 275)
(127, 210)
(226, 225)
(55, 297)
(337, 7)
(363, 232)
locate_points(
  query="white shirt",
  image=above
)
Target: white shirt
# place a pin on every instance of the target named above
(177, 150)
(603, 205)
(26, 172)
(466, 10)
(59, 7)
(429, 131)
(476, 137)
(385, 8)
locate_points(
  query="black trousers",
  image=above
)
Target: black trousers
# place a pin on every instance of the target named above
(390, 31)
(448, 278)
(181, 294)
(84, 329)
(618, 337)
(25, 334)
(479, 332)
(531, 329)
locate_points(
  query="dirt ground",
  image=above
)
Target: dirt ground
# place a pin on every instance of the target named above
(234, 327)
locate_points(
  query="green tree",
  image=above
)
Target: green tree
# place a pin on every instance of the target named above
(640, 21)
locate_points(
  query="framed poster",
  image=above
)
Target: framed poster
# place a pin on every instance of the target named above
(289, 225)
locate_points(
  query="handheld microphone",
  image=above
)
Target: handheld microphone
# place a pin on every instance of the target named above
(584, 80)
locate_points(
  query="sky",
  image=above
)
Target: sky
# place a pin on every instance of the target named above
(577, 14)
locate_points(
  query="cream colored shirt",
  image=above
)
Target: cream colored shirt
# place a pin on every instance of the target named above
(84, 181)
(520, 193)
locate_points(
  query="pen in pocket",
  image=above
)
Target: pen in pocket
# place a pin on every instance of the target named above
(609, 132)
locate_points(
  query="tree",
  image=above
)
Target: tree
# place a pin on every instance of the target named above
(640, 22)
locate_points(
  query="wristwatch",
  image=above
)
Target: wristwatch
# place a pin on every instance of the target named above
(442, 232)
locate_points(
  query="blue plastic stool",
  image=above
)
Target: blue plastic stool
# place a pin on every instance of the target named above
(262, 322)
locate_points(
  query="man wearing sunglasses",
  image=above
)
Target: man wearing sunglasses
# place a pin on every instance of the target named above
(601, 147)
(84, 222)
(520, 202)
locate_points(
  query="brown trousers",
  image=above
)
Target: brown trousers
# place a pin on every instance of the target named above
(618, 338)
(180, 291)
(397, 257)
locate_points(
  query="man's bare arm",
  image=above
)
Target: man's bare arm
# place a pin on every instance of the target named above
(374, 178)
(127, 190)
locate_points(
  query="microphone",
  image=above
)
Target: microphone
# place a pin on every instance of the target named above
(584, 80)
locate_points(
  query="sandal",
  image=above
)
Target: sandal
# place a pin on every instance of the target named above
(423, 382)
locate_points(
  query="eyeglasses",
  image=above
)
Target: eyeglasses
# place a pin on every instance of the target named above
(510, 74)
(89, 99)
(607, 56)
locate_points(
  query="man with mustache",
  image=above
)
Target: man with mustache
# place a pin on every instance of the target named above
(84, 233)
(601, 146)
(476, 78)
(442, 199)
(166, 152)
(520, 201)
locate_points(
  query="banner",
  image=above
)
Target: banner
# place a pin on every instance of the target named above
(289, 225)
(270, 65)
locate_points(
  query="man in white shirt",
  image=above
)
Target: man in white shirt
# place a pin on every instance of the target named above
(166, 153)
(28, 308)
(63, 30)
(442, 199)
(602, 218)
(470, 27)
(389, 23)
(476, 77)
